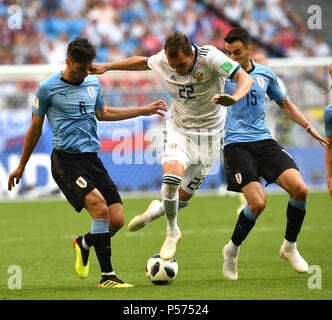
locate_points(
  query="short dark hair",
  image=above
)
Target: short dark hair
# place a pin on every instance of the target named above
(81, 50)
(238, 34)
(176, 41)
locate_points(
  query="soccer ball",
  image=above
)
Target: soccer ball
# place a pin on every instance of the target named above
(161, 271)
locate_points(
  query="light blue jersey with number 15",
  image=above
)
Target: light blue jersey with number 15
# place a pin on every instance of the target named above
(246, 119)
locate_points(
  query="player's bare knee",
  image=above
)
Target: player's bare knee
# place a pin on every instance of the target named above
(99, 211)
(257, 206)
(116, 224)
(299, 193)
(115, 217)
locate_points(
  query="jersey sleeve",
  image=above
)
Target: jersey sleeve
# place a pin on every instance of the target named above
(274, 91)
(328, 120)
(221, 64)
(153, 61)
(100, 99)
(41, 101)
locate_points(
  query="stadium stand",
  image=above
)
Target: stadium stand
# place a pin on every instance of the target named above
(125, 28)
(122, 28)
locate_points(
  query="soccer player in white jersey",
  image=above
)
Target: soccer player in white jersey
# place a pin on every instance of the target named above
(328, 133)
(194, 76)
(251, 153)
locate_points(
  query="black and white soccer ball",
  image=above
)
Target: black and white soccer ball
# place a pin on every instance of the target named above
(161, 271)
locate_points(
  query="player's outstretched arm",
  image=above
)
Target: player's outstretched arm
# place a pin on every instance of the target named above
(114, 114)
(130, 64)
(31, 139)
(294, 114)
(328, 164)
(244, 83)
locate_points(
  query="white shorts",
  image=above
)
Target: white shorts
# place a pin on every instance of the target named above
(197, 153)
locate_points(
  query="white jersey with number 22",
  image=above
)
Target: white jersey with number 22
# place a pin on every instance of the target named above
(192, 110)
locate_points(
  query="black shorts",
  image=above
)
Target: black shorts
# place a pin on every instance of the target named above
(77, 174)
(248, 161)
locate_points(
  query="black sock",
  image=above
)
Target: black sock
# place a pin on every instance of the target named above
(295, 218)
(242, 228)
(88, 239)
(102, 245)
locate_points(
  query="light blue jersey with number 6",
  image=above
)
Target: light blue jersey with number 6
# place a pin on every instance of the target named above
(70, 109)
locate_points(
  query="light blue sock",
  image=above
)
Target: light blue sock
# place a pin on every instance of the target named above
(301, 205)
(99, 226)
(247, 212)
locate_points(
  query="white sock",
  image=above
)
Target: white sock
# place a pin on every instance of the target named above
(112, 273)
(171, 211)
(289, 245)
(84, 244)
(170, 197)
(158, 211)
(232, 248)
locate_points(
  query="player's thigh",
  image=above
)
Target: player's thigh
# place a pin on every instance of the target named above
(192, 179)
(71, 177)
(241, 166)
(274, 161)
(292, 181)
(204, 155)
(176, 156)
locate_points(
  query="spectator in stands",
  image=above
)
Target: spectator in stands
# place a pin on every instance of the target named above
(125, 23)
(91, 31)
(233, 10)
(50, 6)
(260, 11)
(73, 9)
(321, 48)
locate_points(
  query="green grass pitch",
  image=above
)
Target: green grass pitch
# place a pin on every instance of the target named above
(37, 237)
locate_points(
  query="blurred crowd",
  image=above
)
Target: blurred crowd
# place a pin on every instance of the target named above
(122, 28)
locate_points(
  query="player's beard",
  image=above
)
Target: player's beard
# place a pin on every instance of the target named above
(76, 77)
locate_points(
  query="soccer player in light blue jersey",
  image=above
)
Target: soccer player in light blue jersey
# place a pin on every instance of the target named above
(73, 102)
(251, 153)
(328, 133)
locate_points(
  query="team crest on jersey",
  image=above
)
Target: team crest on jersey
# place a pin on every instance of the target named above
(198, 76)
(238, 177)
(173, 146)
(81, 183)
(91, 92)
(261, 82)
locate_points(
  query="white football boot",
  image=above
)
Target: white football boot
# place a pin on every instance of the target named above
(229, 266)
(289, 252)
(144, 219)
(168, 249)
